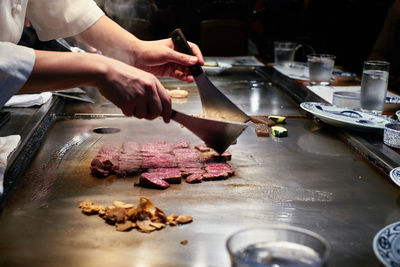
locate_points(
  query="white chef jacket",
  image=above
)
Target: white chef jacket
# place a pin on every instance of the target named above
(51, 19)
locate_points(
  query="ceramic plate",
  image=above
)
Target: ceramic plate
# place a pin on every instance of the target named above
(345, 117)
(341, 76)
(386, 245)
(214, 70)
(395, 175)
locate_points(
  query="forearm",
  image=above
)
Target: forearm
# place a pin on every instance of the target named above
(111, 39)
(58, 70)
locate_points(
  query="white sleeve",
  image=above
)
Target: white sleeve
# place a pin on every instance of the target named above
(62, 18)
(16, 64)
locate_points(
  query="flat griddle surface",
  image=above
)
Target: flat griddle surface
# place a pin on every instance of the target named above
(277, 181)
(309, 179)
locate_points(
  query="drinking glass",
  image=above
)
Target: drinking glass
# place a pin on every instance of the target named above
(277, 245)
(374, 84)
(320, 68)
(284, 52)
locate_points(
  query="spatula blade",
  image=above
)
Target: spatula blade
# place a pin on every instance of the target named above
(218, 135)
(215, 104)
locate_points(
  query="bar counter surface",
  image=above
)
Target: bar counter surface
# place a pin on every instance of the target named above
(328, 180)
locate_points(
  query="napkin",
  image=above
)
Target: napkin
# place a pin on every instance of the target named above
(297, 70)
(28, 100)
(7, 145)
(237, 61)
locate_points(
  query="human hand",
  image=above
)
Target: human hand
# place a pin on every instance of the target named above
(136, 92)
(157, 57)
(160, 58)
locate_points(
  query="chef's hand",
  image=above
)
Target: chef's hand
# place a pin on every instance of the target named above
(136, 92)
(160, 58)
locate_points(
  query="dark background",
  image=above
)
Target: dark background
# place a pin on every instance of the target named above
(345, 28)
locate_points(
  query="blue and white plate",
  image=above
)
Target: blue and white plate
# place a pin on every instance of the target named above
(386, 245)
(392, 100)
(395, 175)
(345, 117)
(341, 76)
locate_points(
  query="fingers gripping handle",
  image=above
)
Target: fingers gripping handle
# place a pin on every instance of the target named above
(182, 46)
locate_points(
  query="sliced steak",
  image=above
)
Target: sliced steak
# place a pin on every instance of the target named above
(227, 156)
(151, 181)
(153, 148)
(181, 144)
(213, 167)
(165, 164)
(130, 148)
(194, 178)
(129, 165)
(188, 158)
(202, 148)
(190, 164)
(159, 161)
(103, 165)
(215, 175)
(98, 172)
(130, 160)
(188, 171)
(109, 149)
(171, 177)
(161, 170)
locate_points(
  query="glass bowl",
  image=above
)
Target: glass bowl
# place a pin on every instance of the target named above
(277, 245)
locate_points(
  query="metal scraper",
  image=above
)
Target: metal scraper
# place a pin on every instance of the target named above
(215, 104)
(218, 135)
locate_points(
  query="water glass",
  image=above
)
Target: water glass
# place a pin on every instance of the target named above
(277, 245)
(284, 52)
(320, 68)
(374, 83)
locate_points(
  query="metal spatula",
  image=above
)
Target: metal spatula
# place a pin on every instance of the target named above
(215, 104)
(218, 135)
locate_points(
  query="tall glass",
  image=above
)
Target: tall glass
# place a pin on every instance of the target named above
(374, 83)
(277, 245)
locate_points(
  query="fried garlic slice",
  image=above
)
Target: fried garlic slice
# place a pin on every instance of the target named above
(145, 226)
(184, 219)
(125, 226)
(122, 205)
(88, 207)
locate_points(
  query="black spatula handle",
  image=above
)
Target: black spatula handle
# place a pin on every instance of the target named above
(182, 45)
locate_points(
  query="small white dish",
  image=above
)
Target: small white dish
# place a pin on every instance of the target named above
(395, 175)
(391, 135)
(386, 245)
(398, 115)
(219, 68)
(348, 99)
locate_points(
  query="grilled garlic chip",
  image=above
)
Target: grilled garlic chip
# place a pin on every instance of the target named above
(145, 217)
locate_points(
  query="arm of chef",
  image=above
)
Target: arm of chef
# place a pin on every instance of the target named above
(15, 67)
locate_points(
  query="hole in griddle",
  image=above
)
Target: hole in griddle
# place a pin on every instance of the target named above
(106, 130)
